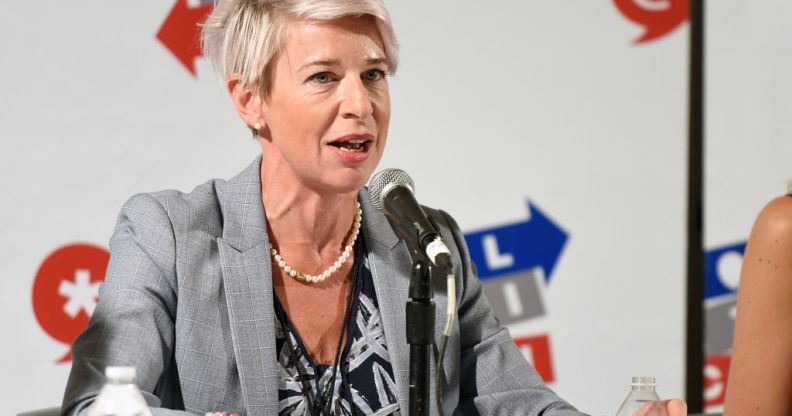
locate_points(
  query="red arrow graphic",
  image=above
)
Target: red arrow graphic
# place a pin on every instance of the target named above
(180, 32)
(658, 17)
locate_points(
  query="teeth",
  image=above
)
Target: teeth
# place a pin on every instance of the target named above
(351, 150)
(352, 146)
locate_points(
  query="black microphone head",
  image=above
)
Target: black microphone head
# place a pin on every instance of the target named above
(384, 181)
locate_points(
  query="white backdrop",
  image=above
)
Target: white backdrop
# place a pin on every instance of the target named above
(494, 106)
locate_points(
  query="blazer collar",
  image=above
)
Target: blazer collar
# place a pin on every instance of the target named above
(244, 224)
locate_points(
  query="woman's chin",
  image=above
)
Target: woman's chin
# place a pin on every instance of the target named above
(344, 182)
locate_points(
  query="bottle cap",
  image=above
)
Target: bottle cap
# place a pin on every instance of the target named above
(643, 381)
(123, 374)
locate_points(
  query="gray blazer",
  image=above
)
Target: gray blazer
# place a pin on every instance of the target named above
(188, 301)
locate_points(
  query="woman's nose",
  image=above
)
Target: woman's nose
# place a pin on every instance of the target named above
(355, 99)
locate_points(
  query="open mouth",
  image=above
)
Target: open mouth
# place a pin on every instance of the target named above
(352, 146)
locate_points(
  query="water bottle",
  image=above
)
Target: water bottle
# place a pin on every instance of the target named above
(120, 395)
(642, 400)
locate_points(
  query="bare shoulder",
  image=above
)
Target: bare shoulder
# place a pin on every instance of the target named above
(776, 216)
(773, 228)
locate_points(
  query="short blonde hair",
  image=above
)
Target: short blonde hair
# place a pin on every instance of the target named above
(245, 36)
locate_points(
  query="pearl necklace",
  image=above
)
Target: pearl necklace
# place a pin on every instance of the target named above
(334, 267)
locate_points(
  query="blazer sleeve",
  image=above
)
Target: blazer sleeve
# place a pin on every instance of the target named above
(496, 378)
(133, 324)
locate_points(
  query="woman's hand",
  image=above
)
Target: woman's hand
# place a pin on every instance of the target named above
(675, 407)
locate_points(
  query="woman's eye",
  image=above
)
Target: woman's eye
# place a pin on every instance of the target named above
(321, 78)
(374, 75)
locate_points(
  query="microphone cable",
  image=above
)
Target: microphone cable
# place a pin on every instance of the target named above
(451, 313)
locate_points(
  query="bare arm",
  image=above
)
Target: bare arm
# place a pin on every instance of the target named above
(760, 380)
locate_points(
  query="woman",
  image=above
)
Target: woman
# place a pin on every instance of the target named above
(273, 292)
(760, 375)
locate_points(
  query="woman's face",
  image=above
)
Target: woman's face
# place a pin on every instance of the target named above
(328, 108)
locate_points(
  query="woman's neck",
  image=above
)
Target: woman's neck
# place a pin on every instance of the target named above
(301, 217)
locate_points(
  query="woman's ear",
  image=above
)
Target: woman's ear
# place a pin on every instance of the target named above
(246, 101)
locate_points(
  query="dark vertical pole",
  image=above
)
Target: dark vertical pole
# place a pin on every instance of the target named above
(694, 387)
(420, 314)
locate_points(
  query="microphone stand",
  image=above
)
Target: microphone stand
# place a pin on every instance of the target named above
(420, 334)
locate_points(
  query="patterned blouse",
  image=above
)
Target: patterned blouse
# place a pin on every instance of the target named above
(364, 382)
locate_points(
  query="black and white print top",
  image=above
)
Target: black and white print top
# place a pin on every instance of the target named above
(364, 381)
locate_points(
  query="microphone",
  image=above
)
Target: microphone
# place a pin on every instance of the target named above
(392, 191)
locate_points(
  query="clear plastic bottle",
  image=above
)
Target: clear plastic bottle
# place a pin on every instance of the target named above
(642, 400)
(120, 395)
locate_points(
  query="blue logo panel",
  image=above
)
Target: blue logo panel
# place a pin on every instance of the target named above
(714, 286)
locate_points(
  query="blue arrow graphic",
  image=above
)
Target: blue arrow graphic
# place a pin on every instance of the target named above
(517, 247)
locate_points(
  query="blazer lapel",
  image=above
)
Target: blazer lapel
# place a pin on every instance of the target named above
(247, 281)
